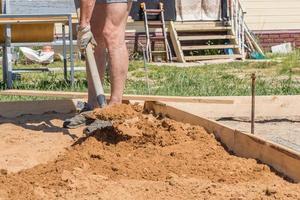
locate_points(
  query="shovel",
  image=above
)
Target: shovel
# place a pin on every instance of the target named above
(92, 65)
(99, 91)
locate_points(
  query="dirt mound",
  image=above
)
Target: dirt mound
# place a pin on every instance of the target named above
(146, 157)
(117, 112)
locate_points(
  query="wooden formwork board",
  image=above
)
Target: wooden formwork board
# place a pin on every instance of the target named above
(83, 95)
(16, 109)
(245, 145)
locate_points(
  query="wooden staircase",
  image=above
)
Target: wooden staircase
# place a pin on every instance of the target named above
(196, 41)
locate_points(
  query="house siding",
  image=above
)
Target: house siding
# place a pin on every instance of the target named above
(273, 21)
(272, 15)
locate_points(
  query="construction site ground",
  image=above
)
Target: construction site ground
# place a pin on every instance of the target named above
(142, 157)
(282, 131)
(277, 118)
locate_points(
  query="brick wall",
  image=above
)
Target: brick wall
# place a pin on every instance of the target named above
(269, 39)
(133, 41)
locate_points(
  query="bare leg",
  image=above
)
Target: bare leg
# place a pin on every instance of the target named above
(97, 24)
(116, 15)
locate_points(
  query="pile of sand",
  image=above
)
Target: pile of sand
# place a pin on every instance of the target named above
(146, 157)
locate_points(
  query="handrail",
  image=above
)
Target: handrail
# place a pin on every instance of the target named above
(239, 26)
(238, 23)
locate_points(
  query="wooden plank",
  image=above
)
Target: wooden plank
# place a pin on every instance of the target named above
(200, 28)
(16, 109)
(245, 145)
(138, 26)
(33, 20)
(205, 37)
(201, 47)
(198, 23)
(254, 42)
(212, 57)
(83, 95)
(58, 94)
(176, 44)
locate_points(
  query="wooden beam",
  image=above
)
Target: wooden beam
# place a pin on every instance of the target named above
(201, 29)
(16, 109)
(245, 145)
(213, 57)
(254, 42)
(176, 43)
(33, 20)
(83, 95)
(198, 23)
(201, 47)
(205, 37)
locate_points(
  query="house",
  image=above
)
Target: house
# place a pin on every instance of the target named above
(38, 6)
(273, 21)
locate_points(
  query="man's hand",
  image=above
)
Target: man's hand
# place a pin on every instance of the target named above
(84, 37)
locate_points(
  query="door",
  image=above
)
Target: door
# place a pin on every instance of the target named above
(195, 10)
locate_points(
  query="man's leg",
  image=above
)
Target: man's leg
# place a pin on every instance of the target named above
(116, 15)
(97, 24)
(108, 26)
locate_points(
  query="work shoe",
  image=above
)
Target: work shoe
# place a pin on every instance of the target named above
(80, 119)
(97, 125)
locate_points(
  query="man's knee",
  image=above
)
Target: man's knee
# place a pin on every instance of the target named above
(113, 37)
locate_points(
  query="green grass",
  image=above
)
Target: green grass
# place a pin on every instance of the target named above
(275, 77)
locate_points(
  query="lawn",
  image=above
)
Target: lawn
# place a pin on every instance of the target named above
(278, 76)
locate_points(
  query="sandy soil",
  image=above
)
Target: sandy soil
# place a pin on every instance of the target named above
(33, 139)
(145, 157)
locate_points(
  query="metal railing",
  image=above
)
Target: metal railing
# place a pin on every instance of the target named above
(237, 16)
(8, 20)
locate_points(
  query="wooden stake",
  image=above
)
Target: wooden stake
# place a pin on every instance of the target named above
(253, 77)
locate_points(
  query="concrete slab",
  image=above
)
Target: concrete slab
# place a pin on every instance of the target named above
(277, 117)
(266, 106)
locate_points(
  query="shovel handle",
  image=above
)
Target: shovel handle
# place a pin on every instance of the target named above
(95, 76)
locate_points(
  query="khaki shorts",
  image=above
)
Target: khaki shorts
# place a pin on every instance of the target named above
(113, 1)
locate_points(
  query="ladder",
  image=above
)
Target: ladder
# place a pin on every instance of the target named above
(152, 38)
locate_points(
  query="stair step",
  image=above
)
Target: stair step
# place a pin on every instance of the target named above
(153, 11)
(157, 38)
(202, 47)
(205, 37)
(158, 52)
(155, 23)
(198, 23)
(201, 29)
(213, 57)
